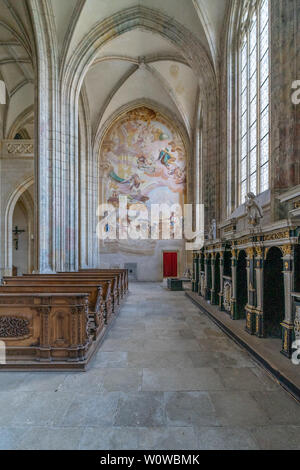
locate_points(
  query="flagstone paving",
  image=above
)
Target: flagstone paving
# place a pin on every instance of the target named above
(166, 377)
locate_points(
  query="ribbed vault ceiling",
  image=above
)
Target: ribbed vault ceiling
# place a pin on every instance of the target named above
(139, 64)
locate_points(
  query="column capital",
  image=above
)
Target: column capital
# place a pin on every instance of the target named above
(287, 250)
(259, 251)
(250, 250)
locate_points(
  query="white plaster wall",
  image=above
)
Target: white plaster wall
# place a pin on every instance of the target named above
(20, 256)
(13, 172)
(21, 100)
(149, 267)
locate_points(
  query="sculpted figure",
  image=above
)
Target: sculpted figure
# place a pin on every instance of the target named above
(212, 234)
(254, 210)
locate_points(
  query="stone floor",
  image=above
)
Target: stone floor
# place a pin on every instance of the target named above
(165, 378)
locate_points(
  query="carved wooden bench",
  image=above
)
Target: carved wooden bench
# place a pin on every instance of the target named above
(96, 304)
(108, 285)
(122, 272)
(48, 327)
(115, 287)
(102, 292)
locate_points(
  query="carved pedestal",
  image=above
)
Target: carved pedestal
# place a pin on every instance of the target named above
(288, 323)
(250, 320)
(258, 269)
(207, 288)
(221, 294)
(250, 308)
(201, 290)
(287, 339)
(227, 295)
(259, 324)
(213, 293)
(213, 297)
(221, 301)
(233, 309)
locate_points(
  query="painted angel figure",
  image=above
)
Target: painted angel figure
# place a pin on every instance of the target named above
(166, 158)
(254, 210)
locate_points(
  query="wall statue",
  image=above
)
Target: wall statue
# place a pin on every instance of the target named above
(212, 234)
(254, 210)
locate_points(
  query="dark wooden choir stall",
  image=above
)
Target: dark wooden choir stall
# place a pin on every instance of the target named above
(57, 321)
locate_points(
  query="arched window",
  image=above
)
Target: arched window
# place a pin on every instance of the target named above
(254, 98)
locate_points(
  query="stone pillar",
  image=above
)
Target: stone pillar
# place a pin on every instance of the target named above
(47, 118)
(194, 272)
(296, 342)
(197, 272)
(213, 293)
(201, 287)
(288, 323)
(250, 307)
(56, 151)
(206, 268)
(258, 263)
(233, 277)
(221, 293)
(88, 195)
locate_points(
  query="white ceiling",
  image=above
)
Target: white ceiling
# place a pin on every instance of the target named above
(115, 78)
(140, 65)
(15, 59)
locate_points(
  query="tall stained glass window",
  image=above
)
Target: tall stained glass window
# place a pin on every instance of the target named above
(254, 98)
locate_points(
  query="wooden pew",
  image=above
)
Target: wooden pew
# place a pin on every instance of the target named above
(122, 275)
(119, 279)
(123, 272)
(58, 320)
(96, 304)
(45, 330)
(109, 296)
(114, 278)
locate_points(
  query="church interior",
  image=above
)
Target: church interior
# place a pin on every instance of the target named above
(149, 341)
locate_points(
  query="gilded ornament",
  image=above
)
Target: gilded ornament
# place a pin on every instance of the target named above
(259, 251)
(287, 250)
(250, 251)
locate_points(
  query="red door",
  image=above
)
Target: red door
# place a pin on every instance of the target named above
(170, 264)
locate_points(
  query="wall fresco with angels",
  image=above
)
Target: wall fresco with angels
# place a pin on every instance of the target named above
(144, 158)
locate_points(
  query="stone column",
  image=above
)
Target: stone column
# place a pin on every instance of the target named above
(259, 263)
(194, 273)
(250, 307)
(88, 194)
(288, 323)
(201, 276)
(197, 272)
(194, 281)
(56, 151)
(296, 335)
(221, 293)
(233, 278)
(47, 117)
(213, 293)
(206, 268)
